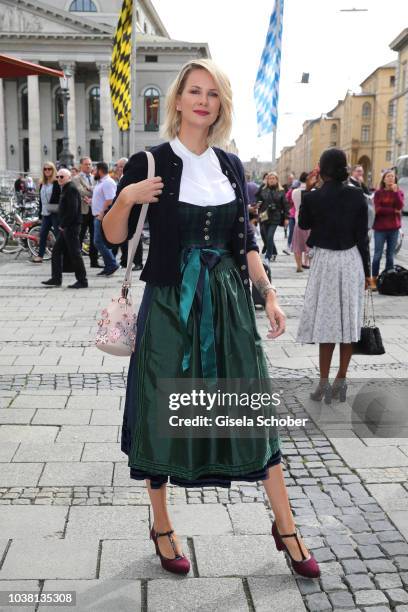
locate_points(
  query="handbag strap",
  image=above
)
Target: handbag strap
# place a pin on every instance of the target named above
(134, 241)
(369, 315)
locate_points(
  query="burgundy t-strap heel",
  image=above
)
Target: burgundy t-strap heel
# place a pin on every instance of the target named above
(308, 566)
(180, 564)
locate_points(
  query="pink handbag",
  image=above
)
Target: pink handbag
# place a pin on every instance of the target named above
(116, 333)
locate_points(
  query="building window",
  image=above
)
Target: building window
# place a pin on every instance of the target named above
(95, 149)
(94, 109)
(365, 133)
(59, 143)
(366, 110)
(388, 156)
(145, 27)
(333, 135)
(26, 155)
(59, 110)
(83, 6)
(389, 132)
(24, 108)
(403, 77)
(392, 81)
(391, 109)
(151, 110)
(151, 58)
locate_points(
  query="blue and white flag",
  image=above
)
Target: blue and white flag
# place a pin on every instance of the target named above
(266, 89)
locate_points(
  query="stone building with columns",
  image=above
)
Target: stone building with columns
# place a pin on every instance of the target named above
(77, 35)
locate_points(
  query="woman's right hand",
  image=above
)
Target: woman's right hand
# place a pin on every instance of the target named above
(148, 190)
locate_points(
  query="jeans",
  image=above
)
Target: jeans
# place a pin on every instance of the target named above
(68, 240)
(291, 228)
(47, 222)
(88, 222)
(380, 238)
(270, 243)
(108, 258)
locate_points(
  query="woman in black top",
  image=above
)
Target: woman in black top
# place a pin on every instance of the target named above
(273, 210)
(336, 214)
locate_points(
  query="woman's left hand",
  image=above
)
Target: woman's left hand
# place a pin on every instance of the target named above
(276, 318)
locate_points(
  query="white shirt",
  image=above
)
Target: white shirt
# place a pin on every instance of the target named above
(297, 198)
(105, 189)
(202, 181)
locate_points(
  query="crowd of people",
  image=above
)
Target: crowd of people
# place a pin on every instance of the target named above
(92, 188)
(72, 202)
(272, 205)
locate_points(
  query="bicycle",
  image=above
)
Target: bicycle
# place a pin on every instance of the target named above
(17, 234)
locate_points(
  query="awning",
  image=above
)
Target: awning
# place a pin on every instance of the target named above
(14, 67)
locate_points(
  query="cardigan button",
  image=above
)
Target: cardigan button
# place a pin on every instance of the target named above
(241, 219)
(246, 281)
(240, 235)
(208, 222)
(206, 229)
(241, 252)
(234, 185)
(206, 237)
(209, 214)
(243, 267)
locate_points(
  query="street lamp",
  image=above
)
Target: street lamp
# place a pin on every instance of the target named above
(101, 140)
(66, 158)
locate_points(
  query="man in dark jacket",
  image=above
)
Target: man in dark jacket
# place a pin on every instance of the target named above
(70, 217)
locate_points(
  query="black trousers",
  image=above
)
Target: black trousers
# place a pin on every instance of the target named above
(88, 222)
(68, 240)
(137, 259)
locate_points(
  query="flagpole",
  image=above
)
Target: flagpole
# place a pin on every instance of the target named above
(275, 127)
(133, 90)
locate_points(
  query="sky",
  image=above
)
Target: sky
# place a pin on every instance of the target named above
(338, 49)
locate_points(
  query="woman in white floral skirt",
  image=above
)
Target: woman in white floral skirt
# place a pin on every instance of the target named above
(332, 314)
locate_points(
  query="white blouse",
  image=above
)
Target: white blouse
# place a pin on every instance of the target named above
(202, 181)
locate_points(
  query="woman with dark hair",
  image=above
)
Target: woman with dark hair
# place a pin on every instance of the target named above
(299, 246)
(336, 215)
(388, 202)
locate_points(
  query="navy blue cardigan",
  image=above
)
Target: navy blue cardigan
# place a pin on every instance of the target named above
(163, 265)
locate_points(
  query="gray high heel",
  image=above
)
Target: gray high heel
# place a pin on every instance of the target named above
(339, 390)
(322, 391)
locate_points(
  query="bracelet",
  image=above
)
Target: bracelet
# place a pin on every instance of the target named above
(267, 288)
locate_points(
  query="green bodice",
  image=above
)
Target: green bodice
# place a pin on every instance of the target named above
(206, 226)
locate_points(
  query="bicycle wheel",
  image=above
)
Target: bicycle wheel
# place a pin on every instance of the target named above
(34, 245)
(12, 245)
(3, 238)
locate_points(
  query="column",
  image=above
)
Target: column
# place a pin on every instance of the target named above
(70, 66)
(34, 125)
(3, 140)
(106, 112)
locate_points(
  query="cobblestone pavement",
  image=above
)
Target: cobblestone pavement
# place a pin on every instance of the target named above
(61, 406)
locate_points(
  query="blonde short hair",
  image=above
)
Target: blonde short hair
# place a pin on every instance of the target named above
(220, 130)
(53, 177)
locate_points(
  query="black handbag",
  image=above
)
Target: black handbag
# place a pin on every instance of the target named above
(393, 282)
(370, 342)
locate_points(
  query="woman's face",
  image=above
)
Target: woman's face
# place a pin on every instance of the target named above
(389, 179)
(272, 181)
(199, 102)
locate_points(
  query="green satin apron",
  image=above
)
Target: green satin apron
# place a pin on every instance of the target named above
(182, 338)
